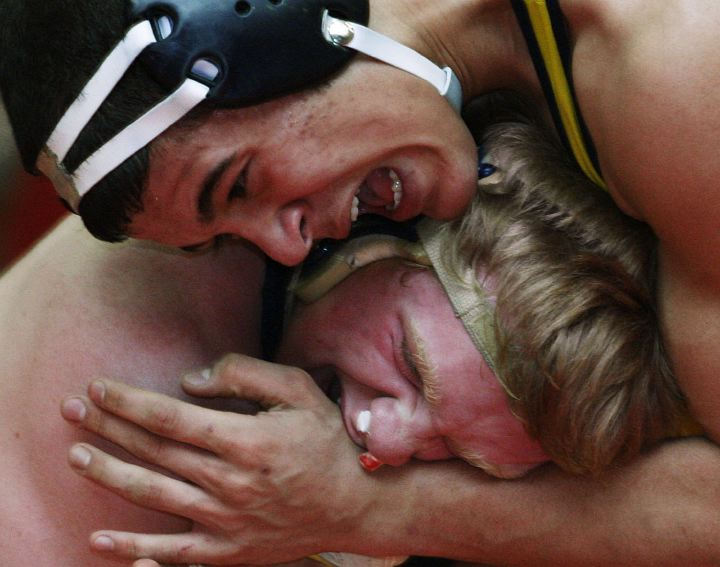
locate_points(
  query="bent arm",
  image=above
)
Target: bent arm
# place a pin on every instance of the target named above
(289, 478)
(660, 510)
(691, 325)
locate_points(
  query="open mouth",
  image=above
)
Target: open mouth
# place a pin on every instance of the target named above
(382, 191)
(327, 380)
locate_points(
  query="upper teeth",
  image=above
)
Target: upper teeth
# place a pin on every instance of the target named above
(397, 189)
(362, 422)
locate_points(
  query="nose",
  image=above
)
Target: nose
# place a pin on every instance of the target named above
(398, 431)
(282, 234)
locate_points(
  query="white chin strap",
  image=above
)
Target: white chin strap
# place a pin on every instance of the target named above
(382, 48)
(73, 186)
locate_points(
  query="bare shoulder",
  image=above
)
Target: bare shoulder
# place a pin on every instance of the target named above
(647, 79)
(648, 82)
(72, 310)
(99, 297)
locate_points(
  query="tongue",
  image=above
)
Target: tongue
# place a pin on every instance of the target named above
(377, 189)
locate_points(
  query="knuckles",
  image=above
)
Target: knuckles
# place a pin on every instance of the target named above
(163, 419)
(144, 492)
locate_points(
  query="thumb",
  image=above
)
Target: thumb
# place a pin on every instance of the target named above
(270, 385)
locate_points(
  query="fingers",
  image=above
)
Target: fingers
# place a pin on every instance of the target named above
(163, 415)
(273, 386)
(142, 486)
(182, 549)
(180, 458)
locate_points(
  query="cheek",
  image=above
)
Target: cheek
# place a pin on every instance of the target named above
(317, 333)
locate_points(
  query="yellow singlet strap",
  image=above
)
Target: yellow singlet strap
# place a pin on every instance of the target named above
(542, 27)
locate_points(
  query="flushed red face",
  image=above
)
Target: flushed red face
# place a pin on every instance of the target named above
(298, 169)
(406, 363)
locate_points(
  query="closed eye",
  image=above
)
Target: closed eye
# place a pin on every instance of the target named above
(200, 247)
(212, 244)
(238, 189)
(410, 369)
(423, 374)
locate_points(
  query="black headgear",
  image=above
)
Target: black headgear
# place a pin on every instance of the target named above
(227, 52)
(263, 48)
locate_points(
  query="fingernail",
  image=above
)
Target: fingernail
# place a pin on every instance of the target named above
(362, 423)
(370, 462)
(198, 378)
(79, 457)
(73, 409)
(103, 543)
(97, 391)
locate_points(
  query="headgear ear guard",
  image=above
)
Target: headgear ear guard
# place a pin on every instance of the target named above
(262, 48)
(230, 53)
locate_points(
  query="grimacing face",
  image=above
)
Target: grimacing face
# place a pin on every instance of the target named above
(389, 335)
(297, 169)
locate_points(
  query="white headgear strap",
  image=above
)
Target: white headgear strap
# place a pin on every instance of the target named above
(72, 187)
(387, 50)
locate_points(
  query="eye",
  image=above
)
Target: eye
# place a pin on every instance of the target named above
(201, 247)
(237, 190)
(407, 365)
(212, 244)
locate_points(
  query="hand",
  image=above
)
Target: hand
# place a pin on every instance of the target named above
(271, 487)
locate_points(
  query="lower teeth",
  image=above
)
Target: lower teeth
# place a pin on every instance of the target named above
(397, 190)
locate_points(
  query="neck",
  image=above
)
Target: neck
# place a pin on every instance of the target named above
(479, 39)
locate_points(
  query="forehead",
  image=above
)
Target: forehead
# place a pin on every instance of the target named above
(394, 279)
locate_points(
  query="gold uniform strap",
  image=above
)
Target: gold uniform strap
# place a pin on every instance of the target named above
(543, 45)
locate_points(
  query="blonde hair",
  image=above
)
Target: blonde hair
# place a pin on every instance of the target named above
(580, 352)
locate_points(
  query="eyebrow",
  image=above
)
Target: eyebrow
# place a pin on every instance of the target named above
(419, 362)
(206, 212)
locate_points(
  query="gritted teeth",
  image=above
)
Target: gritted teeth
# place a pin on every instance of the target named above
(355, 209)
(397, 189)
(362, 421)
(381, 190)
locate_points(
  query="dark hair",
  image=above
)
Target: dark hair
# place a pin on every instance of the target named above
(50, 49)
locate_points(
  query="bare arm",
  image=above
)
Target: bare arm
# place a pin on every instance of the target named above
(691, 323)
(647, 86)
(259, 478)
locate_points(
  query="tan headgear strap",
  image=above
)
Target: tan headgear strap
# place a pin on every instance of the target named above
(467, 296)
(470, 302)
